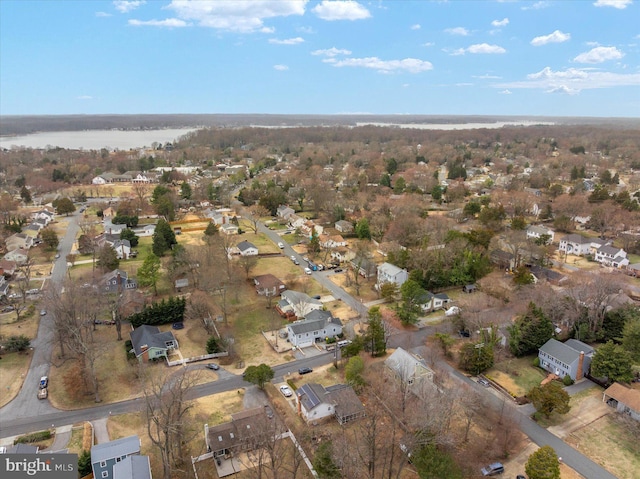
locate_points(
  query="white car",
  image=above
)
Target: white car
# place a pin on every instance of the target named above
(281, 245)
(452, 311)
(307, 271)
(286, 391)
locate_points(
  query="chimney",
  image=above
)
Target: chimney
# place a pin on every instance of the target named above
(580, 372)
(299, 405)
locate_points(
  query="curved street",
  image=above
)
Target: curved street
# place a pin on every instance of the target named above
(26, 413)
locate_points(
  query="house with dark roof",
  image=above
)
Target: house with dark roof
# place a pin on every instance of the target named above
(317, 325)
(246, 248)
(242, 433)
(295, 304)
(268, 285)
(21, 449)
(431, 302)
(364, 266)
(106, 455)
(580, 245)
(571, 358)
(625, 400)
(133, 467)
(315, 402)
(117, 281)
(149, 343)
(122, 248)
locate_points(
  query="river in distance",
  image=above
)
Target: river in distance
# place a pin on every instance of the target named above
(94, 139)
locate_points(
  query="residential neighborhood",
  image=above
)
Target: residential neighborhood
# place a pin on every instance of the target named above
(374, 299)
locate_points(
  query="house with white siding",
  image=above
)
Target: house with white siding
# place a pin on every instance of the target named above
(316, 326)
(316, 402)
(390, 273)
(535, 232)
(611, 256)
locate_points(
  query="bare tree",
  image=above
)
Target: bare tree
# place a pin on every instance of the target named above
(247, 263)
(257, 212)
(167, 409)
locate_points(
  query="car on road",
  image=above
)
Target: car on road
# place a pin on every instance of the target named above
(177, 325)
(293, 258)
(43, 312)
(286, 391)
(307, 271)
(493, 469)
(338, 270)
(305, 370)
(296, 262)
(43, 393)
(57, 255)
(8, 309)
(484, 382)
(44, 382)
(317, 296)
(212, 366)
(281, 245)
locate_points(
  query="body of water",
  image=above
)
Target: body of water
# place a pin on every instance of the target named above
(94, 139)
(459, 126)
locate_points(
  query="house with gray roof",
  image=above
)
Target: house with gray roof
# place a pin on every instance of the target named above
(132, 467)
(247, 248)
(243, 433)
(118, 281)
(149, 343)
(579, 245)
(431, 302)
(106, 455)
(295, 304)
(344, 226)
(284, 211)
(535, 232)
(318, 325)
(571, 358)
(315, 402)
(411, 370)
(611, 256)
(390, 273)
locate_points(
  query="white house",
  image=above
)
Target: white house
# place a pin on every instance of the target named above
(431, 302)
(535, 232)
(611, 256)
(99, 180)
(284, 211)
(229, 229)
(317, 325)
(344, 226)
(331, 241)
(247, 249)
(410, 369)
(123, 248)
(390, 273)
(145, 230)
(624, 399)
(296, 304)
(579, 245)
(19, 256)
(45, 215)
(19, 241)
(316, 402)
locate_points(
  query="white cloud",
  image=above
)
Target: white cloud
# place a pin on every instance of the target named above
(415, 27)
(168, 23)
(288, 41)
(537, 5)
(125, 6)
(307, 30)
(331, 52)
(410, 65)
(500, 23)
(463, 32)
(331, 10)
(428, 44)
(619, 4)
(103, 14)
(244, 17)
(480, 48)
(84, 97)
(573, 79)
(486, 77)
(464, 84)
(599, 55)
(555, 37)
(505, 92)
(280, 67)
(564, 90)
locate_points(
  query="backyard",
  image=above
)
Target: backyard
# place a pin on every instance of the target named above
(517, 375)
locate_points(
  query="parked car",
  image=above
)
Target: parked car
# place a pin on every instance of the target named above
(33, 291)
(57, 255)
(293, 258)
(452, 311)
(286, 391)
(8, 309)
(338, 270)
(305, 370)
(493, 469)
(43, 312)
(281, 245)
(44, 382)
(307, 271)
(177, 325)
(484, 382)
(317, 296)
(296, 262)
(43, 393)
(212, 366)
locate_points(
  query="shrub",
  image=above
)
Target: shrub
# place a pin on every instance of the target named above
(213, 345)
(567, 381)
(33, 437)
(536, 362)
(128, 347)
(84, 463)
(17, 343)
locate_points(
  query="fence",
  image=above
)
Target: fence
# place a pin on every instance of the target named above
(194, 359)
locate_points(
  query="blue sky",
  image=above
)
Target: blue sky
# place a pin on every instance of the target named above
(456, 57)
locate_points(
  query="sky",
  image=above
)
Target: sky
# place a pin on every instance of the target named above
(420, 57)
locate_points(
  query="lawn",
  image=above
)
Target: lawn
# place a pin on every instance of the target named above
(612, 443)
(13, 369)
(518, 375)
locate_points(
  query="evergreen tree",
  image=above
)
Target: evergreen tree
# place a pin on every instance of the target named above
(543, 464)
(362, 229)
(613, 362)
(375, 340)
(163, 238)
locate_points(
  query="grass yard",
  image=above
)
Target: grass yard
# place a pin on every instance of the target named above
(13, 369)
(117, 377)
(77, 437)
(518, 375)
(611, 443)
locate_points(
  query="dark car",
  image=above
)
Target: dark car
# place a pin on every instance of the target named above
(212, 366)
(338, 270)
(484, 382)
(317, 296)
(177, 325)
(520, 476)
(493, 469)
(305, 370)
